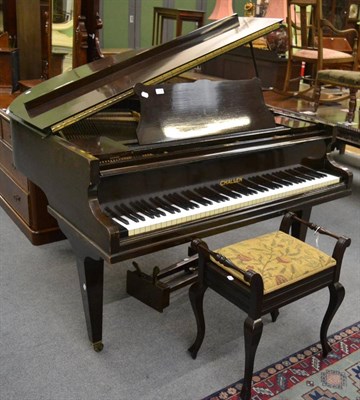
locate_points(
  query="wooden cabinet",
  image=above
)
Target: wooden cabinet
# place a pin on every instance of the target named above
(238, 64)
(23, 201)
(9, 67)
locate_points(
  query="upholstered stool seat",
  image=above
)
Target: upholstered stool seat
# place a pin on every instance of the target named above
(262, 274)
(341, 78)
(279, 258)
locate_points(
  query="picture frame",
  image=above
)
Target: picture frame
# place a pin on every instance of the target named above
(354, 11)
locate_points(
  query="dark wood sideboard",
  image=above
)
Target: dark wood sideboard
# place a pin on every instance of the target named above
(238, 64)
(23, 201)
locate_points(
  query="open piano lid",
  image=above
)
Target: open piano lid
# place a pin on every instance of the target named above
(83, 91)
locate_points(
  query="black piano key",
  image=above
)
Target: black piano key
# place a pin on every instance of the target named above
(283, 178)
(173, 200)
(176, 209)
(221, 197)
(278, 180)
(114, 214)
(125, 213)
(184, 200)
(129, 213)
(158, 202)
(190, 203)
(264, 182)
(253, 185)
(227, 192)
(210, 194)
(293, 173)
(195, 197)
(136, 205)
(156, 210)
(277, 185)
(147, 208)
(302, 175)
(290, 177)
(308, 177)
(238, 187)
(311, 172)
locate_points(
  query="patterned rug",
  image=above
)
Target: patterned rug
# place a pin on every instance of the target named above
(305, 375)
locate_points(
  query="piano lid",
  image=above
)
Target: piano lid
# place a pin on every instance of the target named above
(83, 91)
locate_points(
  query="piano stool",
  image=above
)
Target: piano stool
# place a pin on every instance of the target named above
(262, 274)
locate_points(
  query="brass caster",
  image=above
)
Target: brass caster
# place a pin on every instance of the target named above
(98, 346)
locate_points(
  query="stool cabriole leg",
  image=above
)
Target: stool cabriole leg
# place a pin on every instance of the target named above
(252, 335)
(196, 294)
(337, 293)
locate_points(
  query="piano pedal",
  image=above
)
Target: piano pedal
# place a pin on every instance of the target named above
(154, 290)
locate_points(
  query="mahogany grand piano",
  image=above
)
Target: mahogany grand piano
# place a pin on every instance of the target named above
(132, 164)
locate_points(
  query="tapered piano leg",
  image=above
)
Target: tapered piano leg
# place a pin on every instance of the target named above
(91, 276)
(299, 230)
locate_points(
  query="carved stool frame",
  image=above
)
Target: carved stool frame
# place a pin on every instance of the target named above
(249, 295)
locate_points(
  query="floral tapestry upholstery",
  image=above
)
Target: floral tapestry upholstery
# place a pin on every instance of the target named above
(278, 257)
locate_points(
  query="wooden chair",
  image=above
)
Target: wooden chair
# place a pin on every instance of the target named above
(261, 275)
(340, 78)
(306, 32)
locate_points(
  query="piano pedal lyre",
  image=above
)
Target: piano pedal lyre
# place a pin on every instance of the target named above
(154, 290)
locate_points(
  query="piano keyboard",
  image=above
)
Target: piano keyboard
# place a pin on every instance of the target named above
(159, 212)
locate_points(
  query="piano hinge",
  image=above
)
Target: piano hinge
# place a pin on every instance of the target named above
(154, 289)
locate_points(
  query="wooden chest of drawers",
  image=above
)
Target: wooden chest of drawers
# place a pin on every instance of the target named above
(23, 201)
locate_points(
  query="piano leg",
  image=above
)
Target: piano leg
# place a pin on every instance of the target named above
(90, 268)
(91, 276)
(299, 230)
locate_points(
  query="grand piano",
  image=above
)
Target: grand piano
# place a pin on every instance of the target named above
(132, 163)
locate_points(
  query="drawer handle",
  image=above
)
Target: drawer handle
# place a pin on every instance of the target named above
(17, 198)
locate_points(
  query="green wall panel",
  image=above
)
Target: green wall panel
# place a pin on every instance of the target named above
(146, 21)
(116, 23)
(239, 7)
(115, 32)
